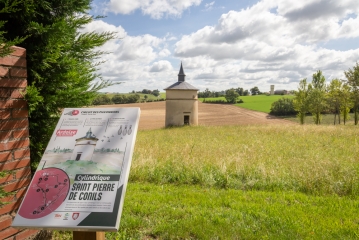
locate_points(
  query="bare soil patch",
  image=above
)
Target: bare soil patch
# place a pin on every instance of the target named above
(153, 115)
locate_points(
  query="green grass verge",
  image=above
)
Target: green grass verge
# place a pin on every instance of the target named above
(260, 103)
(183, 212)
(191, 212)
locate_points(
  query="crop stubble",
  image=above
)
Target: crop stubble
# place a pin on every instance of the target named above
(153, 115)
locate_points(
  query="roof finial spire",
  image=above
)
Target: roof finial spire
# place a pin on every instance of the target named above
(181, 75)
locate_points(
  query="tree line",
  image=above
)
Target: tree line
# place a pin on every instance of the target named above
(339, 97)
(240, 91)
(104, 99)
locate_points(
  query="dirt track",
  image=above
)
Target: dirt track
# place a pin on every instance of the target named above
(153, 115)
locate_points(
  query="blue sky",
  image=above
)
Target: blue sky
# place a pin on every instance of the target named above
(226, 43)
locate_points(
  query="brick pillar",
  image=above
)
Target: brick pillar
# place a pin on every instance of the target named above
(14, 140)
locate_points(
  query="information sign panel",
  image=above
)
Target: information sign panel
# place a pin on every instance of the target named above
(82, 177)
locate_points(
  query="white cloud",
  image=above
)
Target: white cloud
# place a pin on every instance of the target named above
(133, 60)
(161, 66)
(154, 8)
(277, 41)
(272, 42)
(164, 53)
(208, 6)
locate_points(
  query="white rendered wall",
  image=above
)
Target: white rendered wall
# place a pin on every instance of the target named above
(180, 103)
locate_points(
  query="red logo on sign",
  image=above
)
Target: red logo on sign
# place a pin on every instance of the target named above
(75, 215)
(73, 112)
(57, 215)
(66, 132)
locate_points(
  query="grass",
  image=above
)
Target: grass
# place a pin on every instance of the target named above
(243, 182)
(260, 103)
(317, 160)
(191, 212)
(327, 119)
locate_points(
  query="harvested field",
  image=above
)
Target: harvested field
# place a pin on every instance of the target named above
(153, 115)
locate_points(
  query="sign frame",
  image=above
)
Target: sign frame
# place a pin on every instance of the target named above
(82, 177)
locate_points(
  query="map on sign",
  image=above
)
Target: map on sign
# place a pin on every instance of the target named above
(46, 193)
(82, 176)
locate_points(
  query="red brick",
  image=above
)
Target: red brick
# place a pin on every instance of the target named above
(7, 208)
(5, 114)
(13, 124)
(17, 93)
(5, 92)
(21, 193)
(23, 173)
(18, 51)
(4, 156)
(18, 72)
(8, 232)
(4, 135)
(23, 143)
(26, 234)
(13, 61)
(15, 164)
(5, 222)
(13, 104)
(16, 185)
(20, 113)
(4, 71)
(22, 153)
(7, 178)
(13, 83)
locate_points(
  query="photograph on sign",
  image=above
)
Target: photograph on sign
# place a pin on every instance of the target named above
(82, 176)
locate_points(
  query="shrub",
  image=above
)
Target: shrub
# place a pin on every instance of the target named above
(282, 107)
(101, 100)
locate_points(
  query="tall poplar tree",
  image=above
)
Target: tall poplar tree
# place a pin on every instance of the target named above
(334, 98)
(353, 80)
(61, 61)
(300, 102)
(316, 96)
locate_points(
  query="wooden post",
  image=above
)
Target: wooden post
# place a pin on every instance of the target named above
(88, 235)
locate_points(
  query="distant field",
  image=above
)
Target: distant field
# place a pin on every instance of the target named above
(260, 103)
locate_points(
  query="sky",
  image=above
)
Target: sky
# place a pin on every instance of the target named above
(225, 44)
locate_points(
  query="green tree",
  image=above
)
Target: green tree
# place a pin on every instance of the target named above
(101, 99)
(61, 61)
(300, 101)
(317, 96)
(334, 98)
(255, 91)
(346, 102)
(8, 7)
(240, 91)
(119, 99)
(352, 76)
(231, 95)
(156, 93)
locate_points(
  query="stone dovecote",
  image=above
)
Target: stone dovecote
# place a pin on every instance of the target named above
(181, 102)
